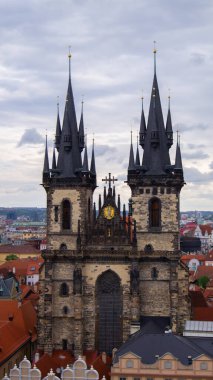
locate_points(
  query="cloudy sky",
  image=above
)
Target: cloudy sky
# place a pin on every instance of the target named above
(112, 64)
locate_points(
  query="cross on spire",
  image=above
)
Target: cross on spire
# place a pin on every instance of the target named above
(110, 180)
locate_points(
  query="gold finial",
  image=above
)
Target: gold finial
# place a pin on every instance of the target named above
(69, 55)
(154, 51)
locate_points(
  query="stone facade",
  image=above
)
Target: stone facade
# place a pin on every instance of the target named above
(104, 271)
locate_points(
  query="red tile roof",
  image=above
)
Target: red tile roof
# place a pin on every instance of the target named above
(203, 270)
(21, 265)
(17, 326)
(205, 228)
(203, 314)
(19, 249)
(199, 257)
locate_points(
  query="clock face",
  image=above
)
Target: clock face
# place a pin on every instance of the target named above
(109, 212)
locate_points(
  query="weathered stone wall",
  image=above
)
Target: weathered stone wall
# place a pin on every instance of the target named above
(169, 216)
(79, 199)
(154, 293)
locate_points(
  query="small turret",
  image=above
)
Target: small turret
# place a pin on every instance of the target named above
(142, 135)
(92, 166)
(46, 170)
(131, 166)
(54, 160)
(169, 131)
(137, 157)
(81, 130)
(58, 131)
(178, 159)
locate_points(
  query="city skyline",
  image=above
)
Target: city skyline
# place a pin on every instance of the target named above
(112, 66)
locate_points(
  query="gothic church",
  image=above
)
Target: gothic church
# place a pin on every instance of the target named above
(107, 270)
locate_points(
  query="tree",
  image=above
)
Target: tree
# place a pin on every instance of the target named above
(203, 281)
(11, 257)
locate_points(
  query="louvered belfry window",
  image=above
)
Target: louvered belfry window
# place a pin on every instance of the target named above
(155, 212)
(66, 215)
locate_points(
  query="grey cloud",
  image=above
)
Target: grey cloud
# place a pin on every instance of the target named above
(197, 58)
(211, 165)
(101, 150)
(194, 175)
(196, 146)
(186, 128)
(198, 154)
(31, 136)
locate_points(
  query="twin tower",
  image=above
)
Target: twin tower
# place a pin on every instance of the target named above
(108, 270)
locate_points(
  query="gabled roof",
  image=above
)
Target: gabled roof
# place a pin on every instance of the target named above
(147, 346)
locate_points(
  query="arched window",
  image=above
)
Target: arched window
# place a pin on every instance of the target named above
(154, 212)
(154, 273)
(65, 310)
(64, 290)
(66, 215)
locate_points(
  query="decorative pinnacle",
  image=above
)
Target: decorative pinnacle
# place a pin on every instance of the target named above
(82, 102)
(137, 140)
(69, 57)
(154, 51)
(169, 97)
(58, 103)
(131, 135)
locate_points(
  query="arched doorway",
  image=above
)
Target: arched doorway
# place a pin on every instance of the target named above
(108, 312)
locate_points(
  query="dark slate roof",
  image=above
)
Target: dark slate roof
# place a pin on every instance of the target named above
(147, 346)
(154, 324)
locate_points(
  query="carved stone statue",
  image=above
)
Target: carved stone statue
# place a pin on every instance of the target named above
(77, 281)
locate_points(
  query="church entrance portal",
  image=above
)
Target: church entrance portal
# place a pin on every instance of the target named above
(108, 312)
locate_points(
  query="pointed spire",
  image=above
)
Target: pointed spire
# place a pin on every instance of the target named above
(92, 166)
(85, 168)
(142, 127)
(58, 129)
(178, 159)
(99, 203)
(54, 160)
(137, 158)
(169, 131)
(46, 170)
(81, 129)
(131, 157)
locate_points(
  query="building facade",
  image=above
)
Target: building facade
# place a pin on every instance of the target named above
(106, 269)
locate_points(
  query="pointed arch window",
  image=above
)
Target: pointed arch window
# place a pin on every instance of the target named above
(66, 214)
(155, 213)
(64, 290)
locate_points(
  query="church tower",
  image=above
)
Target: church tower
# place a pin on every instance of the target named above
(156, 186)
(69, 186)
(109, 268)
